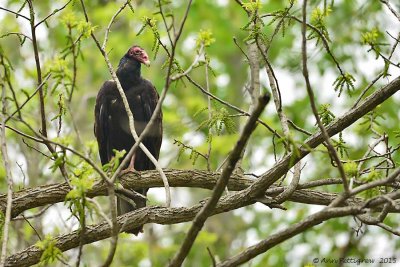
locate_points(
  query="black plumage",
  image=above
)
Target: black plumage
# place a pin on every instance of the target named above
(111, 121)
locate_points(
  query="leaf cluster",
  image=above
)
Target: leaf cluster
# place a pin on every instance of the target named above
(340, 146)
(219, 120)
(194, 154)
(82, 180)
(283, 14)
(372, 38)
(51, 252)
(350, 169)
(152, 24)
(205, 38)
(371, 120)
(325, 114)
(318, 20)
(345, 80)
(113, 164)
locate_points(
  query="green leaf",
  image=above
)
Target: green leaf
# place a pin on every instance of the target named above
(51, 252)
(344, 80)
(318, 20)
(205, 37)
(350, 168)
(325, 114)
(252, 6)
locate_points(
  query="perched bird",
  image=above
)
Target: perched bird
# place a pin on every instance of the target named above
(111, 121)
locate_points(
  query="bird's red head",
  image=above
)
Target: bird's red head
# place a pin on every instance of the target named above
(138, 53)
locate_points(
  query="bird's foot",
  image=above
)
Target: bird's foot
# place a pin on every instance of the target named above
(130, 169)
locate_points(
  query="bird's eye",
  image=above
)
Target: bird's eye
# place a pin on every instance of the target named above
(134, 52)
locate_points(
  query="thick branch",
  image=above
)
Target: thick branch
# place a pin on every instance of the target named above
(129, 221)
(163, 215)
(287, 233)
(50, 194)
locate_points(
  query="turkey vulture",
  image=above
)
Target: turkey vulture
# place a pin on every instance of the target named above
(111, 121)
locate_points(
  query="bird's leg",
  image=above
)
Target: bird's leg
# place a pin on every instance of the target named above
(131, 167)
(132, 163)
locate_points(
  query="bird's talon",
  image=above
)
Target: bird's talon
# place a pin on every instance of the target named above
(128, 170)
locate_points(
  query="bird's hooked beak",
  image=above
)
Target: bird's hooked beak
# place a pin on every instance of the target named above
(146, 62)
(145, 58)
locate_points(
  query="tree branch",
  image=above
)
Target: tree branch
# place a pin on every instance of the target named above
(15, 13)
(51, 194)
(281, 236)
(8, 175)
(311, 96)
(165, 216)
(53, 13)
(258, 188)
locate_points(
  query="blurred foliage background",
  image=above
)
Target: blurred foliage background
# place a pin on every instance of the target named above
(226, 234)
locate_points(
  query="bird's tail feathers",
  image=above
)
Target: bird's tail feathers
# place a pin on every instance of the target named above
(123, 206)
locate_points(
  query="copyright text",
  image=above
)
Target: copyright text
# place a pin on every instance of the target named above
(356, 261)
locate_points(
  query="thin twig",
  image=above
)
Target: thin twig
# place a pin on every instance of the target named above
(310, 92)
(193, 65)
(370, 149)
(324, 42)
(75, 54)
(114, 229)
(38, 68)
(10, 85)
(388, 228)
(395, 175)
(29, 97)
(7, 168)
(82, 224)
(389, 6)
(165, 22)
(296, 127)
(366, 89)
(241, 49)
(41, 139)
(111, 22)
(53, 13)
(100, 211)
(292, 186)
(214, 262)
(15, 13)
(209, 117)
(18, 35)
(365, 187)
(230, 105)
(33, 216)
(43, 130)
(110, 188)
(277, 96)
(34, 229)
